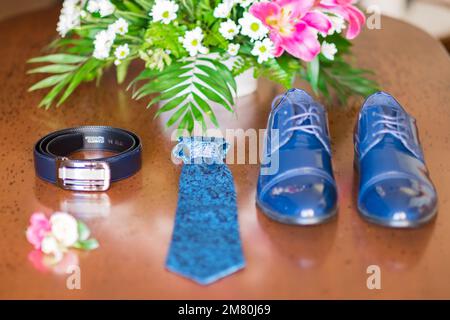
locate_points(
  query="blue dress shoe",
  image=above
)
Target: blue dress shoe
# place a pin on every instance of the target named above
(296, 183)
(394, 188)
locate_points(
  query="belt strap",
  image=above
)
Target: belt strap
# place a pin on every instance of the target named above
(53, 165)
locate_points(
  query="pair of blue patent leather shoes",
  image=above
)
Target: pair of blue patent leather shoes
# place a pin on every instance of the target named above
(296, 183)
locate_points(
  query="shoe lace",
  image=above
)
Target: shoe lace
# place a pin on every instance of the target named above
(300, 125)
(393, 125)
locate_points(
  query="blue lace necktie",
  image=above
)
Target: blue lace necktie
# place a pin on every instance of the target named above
(205, 245)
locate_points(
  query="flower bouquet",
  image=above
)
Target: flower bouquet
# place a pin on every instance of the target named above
(186, 44)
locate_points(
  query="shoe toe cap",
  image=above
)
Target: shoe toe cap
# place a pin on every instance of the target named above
(399, 202)
(300, 200)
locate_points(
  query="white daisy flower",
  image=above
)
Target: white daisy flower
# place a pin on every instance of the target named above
(328, 50)
(69, 17)
(93, 6)
(233, 49)
(104, 7)
(119, 27)
(263, 50)
(164, 11)
(223, 9)
(252, 27)
(192, 42)
(102, 44)
(122, 51)
(228, 29)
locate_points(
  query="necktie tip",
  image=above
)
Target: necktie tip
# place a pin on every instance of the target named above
(210, 278)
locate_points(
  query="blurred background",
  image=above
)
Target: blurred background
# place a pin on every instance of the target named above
(432, 16)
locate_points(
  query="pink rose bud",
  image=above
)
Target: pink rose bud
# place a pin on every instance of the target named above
(39, 227)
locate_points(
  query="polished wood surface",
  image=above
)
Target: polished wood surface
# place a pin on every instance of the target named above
(133, 221)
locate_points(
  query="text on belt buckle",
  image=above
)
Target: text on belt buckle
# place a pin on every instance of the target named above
(83, 175)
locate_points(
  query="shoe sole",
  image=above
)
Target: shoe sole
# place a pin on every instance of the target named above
(296, 221)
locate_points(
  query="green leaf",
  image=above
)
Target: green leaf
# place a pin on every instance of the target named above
(145, 4)
(241, 65)
(172, 104)
(211, 95)
(153, 73)
(168, 94)
(134, 18)
(83, 231)
(146, 74)
(48, 99)
(345, 80)
(157, 85)
(70, 42)
(60, 58)
(206, 109)
(166, 36)
(172, 75)
(176, 115)
(78, 77)
(131, 6)
(88, 245)
(342, 44)
(312, 70)
(187, 122)
(212, 82)
(198, 116)
(323, 88)
(225, 72)
(48, 82)
(54, 68)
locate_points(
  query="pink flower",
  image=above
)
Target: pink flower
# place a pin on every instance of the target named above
(293, 26)
(39, 227)
(349, 12)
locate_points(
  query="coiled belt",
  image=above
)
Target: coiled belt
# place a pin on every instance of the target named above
(53, 165)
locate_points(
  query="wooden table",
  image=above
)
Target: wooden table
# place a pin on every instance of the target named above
(133, 221)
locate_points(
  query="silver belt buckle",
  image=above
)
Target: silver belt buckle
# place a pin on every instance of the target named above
(82, 175)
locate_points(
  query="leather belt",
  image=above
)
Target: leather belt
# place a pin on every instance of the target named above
(53, 165)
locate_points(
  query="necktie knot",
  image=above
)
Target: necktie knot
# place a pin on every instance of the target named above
(201, 150)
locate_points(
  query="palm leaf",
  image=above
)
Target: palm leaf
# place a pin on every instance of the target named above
(68, 72)
(59, 59)
(54, 68)
(188, 87)
(49, 82)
